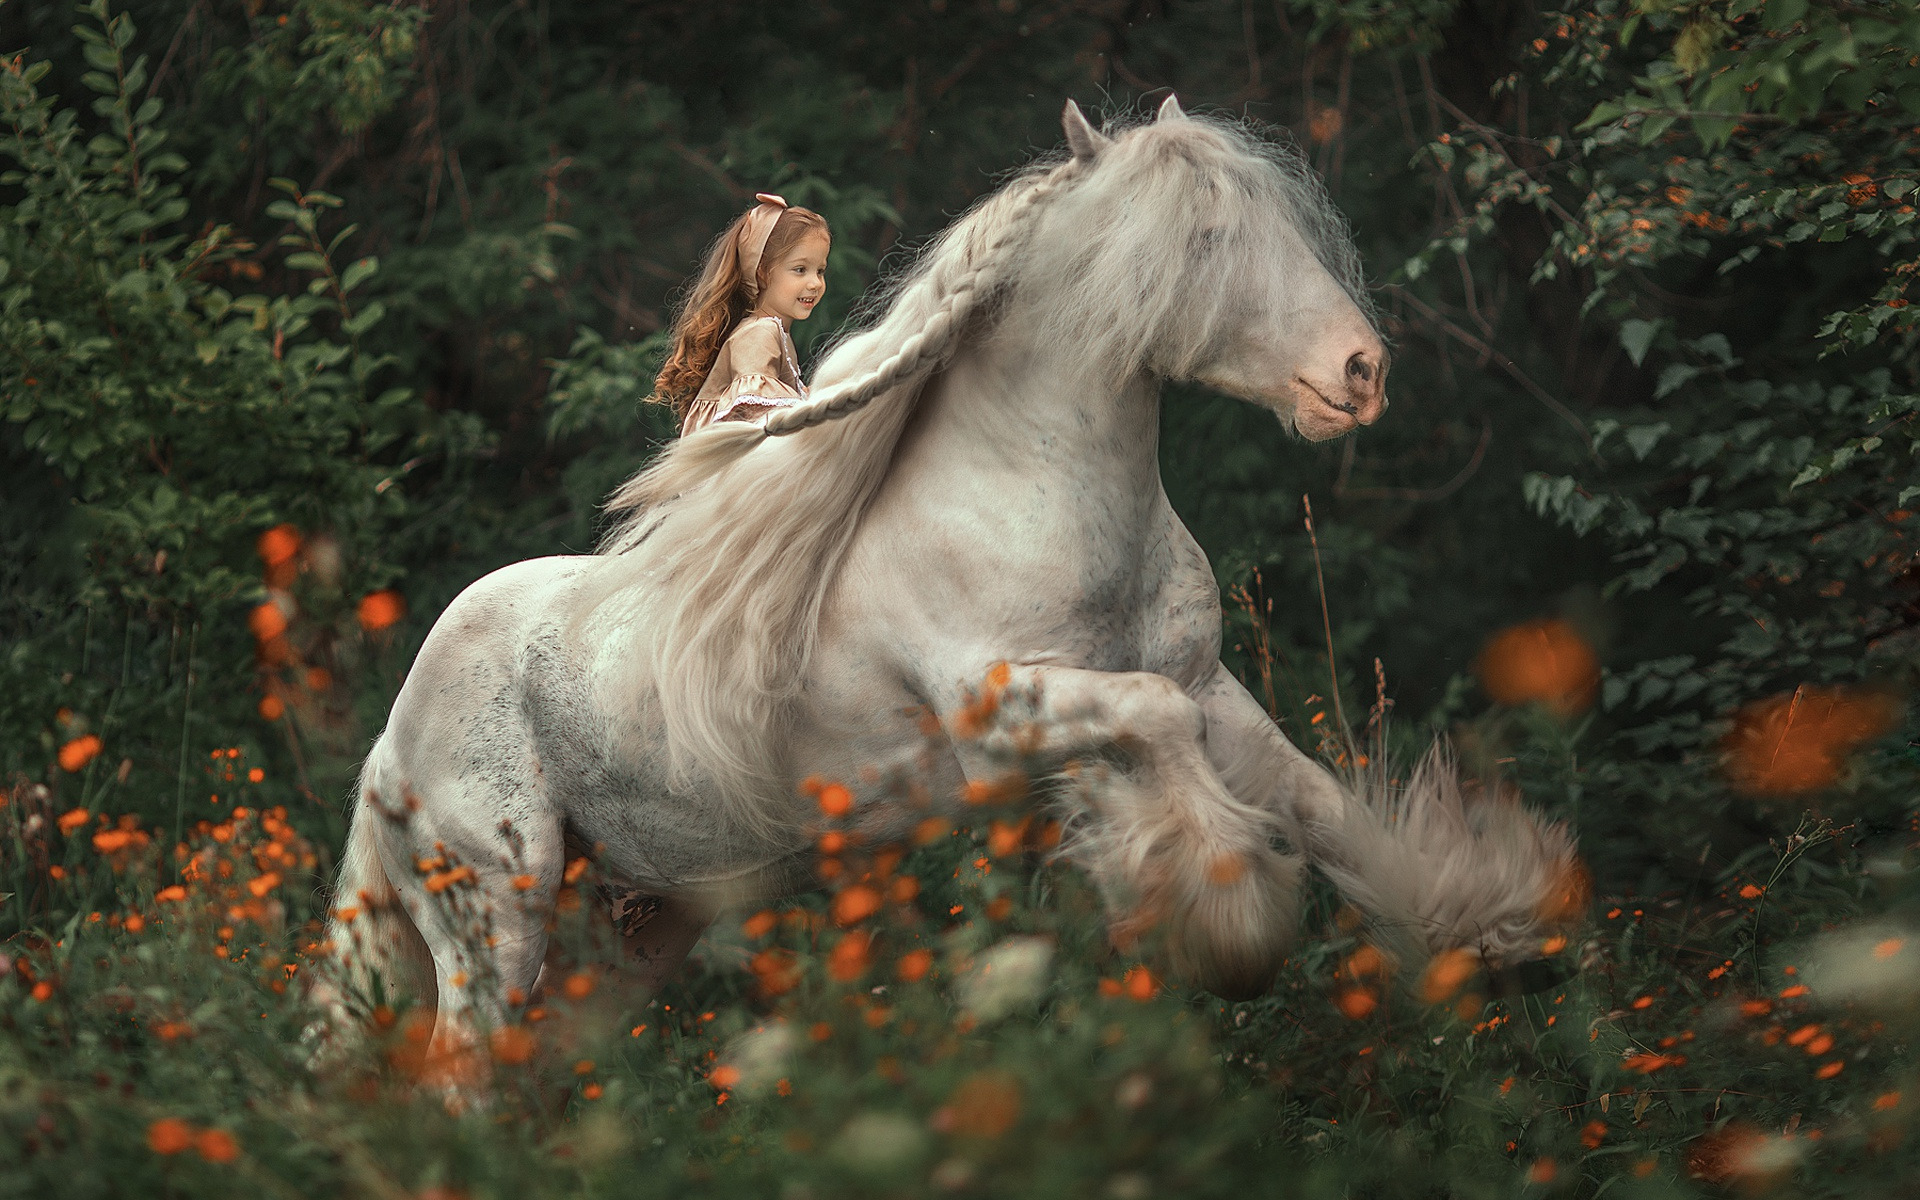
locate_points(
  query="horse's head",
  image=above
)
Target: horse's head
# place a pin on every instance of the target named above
(1244, 272)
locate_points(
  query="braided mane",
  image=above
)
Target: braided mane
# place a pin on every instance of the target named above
(729, 541)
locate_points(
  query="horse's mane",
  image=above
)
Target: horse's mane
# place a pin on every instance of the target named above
(730, 540)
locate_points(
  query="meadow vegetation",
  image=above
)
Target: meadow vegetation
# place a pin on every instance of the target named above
(312, 311)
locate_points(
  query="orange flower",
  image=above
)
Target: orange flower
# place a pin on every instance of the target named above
(72, 819)
(778, 970)
(171, 894)
(267, 621)
(169, 1135)
(914, 965)
(278, 545)
(1540, 661)
(1647, 1064)
(1543, 1170)
(111, 841)
(380, 610)
(1798, 741)
(1355, 1003)
(724, 1076)
(512, 1045)
(985, 1105)
(855, 904)
(79, 752)
(1446, 974)
(759, 924)
(903, 889)
(848, 959)
(1004, 837)
(42, 991)
(1593, 1133)
(264, 884)
(836, 800)
(1140, 984)
(272, 708)
(578, 986)
(216, 1146)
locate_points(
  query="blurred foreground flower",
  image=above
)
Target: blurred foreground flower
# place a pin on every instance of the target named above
(759, 1057)
(1742, 1154)
(79, 752)
(1799, 741)
(1008, 976)
(379, 610)
(880, 1142)
(1540, 661)
(1873, 964)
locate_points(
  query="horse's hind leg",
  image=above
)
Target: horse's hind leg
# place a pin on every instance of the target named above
(1167, 842)
(462, 871)
(656, 932)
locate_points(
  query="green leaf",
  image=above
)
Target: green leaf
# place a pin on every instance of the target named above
(1782, 13)
(358, 272)
(1637, 337)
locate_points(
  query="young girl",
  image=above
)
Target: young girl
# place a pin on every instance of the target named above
(732, 357)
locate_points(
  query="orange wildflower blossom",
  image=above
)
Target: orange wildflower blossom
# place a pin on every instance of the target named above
(72, 819)
(169, 1135)
(914, 965)
(1544, 662)
(1446, 974)
(855, 904)
(977, 715)
(278, 545)
(216, 1146)
(850, 955)
(1800, 740)
(512, 1045)
(267, 621)
(1140, 984)
(381, 610)
(986, 1105)
(1355, 1003)
(777, 970)
(79, 752)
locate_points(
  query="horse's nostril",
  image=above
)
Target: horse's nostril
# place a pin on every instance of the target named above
(1360, 368)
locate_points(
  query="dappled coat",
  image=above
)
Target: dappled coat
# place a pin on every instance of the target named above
(755, 373)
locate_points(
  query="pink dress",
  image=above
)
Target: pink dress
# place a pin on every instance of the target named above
(755, 373)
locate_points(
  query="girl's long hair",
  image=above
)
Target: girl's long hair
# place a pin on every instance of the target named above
(718, 302)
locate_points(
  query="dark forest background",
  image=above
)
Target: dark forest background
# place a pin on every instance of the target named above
(314, 311)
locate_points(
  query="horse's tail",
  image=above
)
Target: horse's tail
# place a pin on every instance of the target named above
(1437, 869)
(374, 953)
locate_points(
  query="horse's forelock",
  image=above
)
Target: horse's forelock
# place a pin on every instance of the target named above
(1114, 277)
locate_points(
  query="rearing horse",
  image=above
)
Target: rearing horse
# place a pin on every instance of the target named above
(972, 493)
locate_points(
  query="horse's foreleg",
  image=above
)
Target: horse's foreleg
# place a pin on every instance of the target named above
(1167, 841)
(1261, 766)
(1433, 872)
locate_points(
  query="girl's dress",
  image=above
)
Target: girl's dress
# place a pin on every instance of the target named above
(755, 373)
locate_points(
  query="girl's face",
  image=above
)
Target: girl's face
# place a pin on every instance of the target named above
(796, 283)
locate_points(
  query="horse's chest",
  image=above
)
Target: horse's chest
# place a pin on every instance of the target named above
(1155, 610)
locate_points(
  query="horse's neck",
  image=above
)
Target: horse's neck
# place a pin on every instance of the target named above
(1008, 410)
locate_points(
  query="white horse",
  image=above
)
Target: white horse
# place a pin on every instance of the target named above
(975, 482)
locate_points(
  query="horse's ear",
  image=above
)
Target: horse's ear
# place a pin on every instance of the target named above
(1170, 109)
(1086, 141)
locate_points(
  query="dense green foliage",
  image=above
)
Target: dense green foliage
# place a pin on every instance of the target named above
(393, 278)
